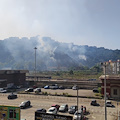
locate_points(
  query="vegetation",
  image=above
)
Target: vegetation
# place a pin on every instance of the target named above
(92, 73)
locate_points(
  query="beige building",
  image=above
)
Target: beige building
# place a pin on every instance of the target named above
(112, 67)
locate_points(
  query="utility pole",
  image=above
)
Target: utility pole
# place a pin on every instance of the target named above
(35, 63)
(105, 65)
(77, 102)
(105, 93)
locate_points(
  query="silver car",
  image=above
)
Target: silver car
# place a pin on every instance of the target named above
(78, 115)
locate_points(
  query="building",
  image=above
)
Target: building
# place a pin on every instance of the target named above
(9, 78)
(112, 86)
(112, 67)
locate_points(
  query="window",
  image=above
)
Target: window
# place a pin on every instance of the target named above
(12, 113)
(115, 91)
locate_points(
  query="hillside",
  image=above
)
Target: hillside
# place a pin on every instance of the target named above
(19, 53)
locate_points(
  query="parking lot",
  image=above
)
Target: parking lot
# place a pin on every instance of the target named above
(41, 101)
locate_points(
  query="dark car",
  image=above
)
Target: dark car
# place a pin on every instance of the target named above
(61, 87)
(12, 96)
(63, 108)
(72, 109)
(41, 110)
(94, 103)
(95, 90)
(25, 104)
(56, 105)
(29, 90)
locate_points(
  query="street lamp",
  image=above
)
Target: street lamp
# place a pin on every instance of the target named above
(35, 62)
(77, 101)
(105, 65)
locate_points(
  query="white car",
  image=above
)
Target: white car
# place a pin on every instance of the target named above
(37, 90)
(78, 115)
(52, 110)
(109, 104)
(75, 87)
(2, 90)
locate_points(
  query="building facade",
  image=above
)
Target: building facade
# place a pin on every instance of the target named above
(112, 67)
(112, 86)
(9, 78)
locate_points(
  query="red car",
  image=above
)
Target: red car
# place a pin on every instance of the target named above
(56, 105)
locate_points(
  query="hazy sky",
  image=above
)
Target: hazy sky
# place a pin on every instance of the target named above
(82, 22)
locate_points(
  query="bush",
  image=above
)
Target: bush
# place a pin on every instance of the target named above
(99, 89)
(56, 93)
(45, 93)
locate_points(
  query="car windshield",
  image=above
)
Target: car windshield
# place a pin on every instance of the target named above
(62, 106)
(72, 107)
(51, 110)
(108, 102)
(78, 113)
(23, 103)
(12, 94)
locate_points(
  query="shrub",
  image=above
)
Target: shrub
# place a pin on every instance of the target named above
(99, 89)
(56, 93)
(45, 93)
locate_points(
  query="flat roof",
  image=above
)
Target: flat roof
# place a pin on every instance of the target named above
(13, 71)
(117, 77)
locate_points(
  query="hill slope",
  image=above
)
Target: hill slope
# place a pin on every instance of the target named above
(19, 53)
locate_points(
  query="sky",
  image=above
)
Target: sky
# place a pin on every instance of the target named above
(82, 22)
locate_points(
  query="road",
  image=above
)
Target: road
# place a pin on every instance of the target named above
(40, 101)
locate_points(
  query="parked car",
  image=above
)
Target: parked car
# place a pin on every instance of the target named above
(37, 90)
(72, 109)
(63, 108)
(109, 104)
(56, 105)
(54, 86)
(41, 110)
(75, 87)
(52, 110)
(2, 90)
(61, 87)
(94, 103)
(12, 96)
(29, 90)
(25, 104)
(46, 87)
(95, 90)
(78, 115)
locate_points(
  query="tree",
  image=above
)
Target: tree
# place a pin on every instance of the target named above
(71, 72)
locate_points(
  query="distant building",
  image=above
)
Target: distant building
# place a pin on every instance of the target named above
(112, 67)
(9, 78)
(112, 85)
